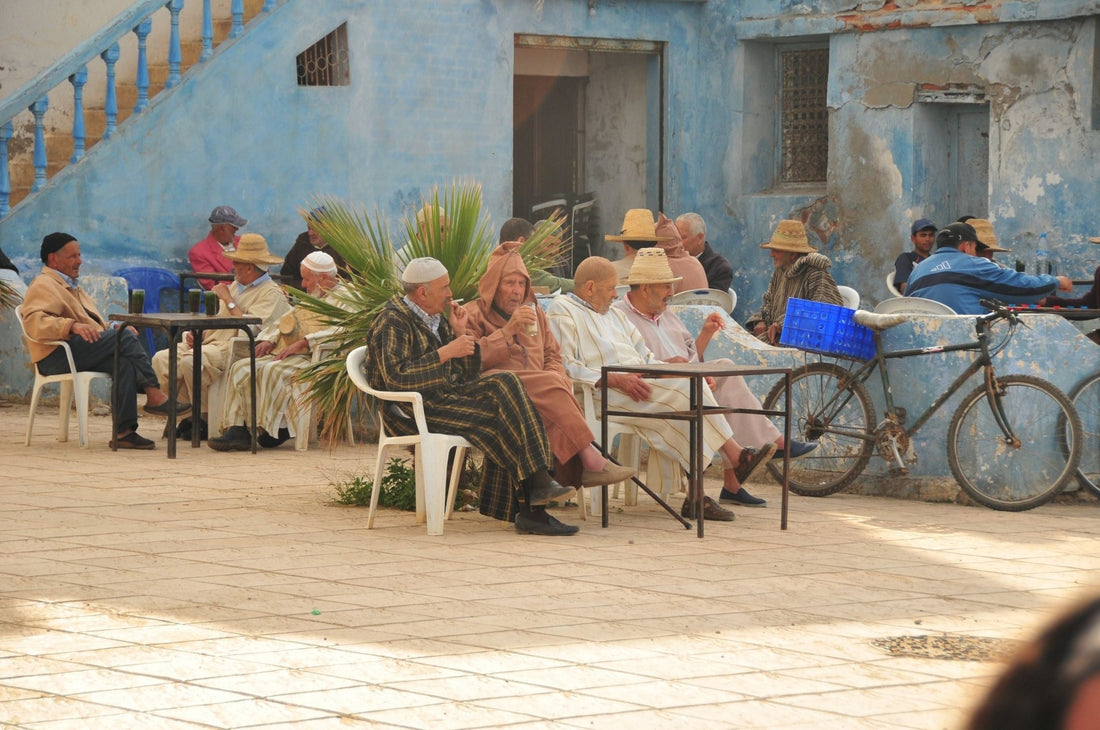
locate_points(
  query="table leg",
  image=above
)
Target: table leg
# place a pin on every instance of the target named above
(196, 388)
(787, 451)
(695, 431)
(252, 383)
(173, 389)
(114, 397)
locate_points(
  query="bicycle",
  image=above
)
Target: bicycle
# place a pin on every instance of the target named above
(1012, 444)
(1086, 399)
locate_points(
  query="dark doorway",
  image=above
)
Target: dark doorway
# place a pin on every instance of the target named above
(548, 112)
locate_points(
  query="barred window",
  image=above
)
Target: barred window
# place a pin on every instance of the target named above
(804, 118)
(326, 62)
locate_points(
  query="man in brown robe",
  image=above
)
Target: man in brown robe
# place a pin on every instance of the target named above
(514, 335)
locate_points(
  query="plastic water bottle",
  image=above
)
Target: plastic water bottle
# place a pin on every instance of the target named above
(1042, 257)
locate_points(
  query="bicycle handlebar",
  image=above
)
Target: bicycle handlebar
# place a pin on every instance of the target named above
(999, 311)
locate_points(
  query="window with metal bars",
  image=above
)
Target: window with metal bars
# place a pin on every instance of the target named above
(326, 62)
(803, 116)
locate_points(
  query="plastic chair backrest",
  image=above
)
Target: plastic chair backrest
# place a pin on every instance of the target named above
(913, 305)
(733, 299)
(153, 281)
(713, 297)
(849, 296)
(890, 285)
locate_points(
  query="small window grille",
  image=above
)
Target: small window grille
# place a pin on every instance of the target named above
(326, 62)
(804, 118)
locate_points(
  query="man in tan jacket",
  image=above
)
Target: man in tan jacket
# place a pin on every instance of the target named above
(56, 308)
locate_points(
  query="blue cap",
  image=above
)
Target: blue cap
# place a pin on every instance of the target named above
(922, 224)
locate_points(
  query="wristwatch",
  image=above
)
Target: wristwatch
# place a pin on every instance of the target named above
(231, 306)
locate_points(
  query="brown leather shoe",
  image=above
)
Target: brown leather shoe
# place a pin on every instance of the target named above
(751, 460)
(712, 511)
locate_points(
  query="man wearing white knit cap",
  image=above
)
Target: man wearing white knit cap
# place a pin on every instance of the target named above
(282, 350)
(411, 346)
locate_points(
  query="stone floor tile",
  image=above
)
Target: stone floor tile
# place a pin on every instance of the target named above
(450, 716)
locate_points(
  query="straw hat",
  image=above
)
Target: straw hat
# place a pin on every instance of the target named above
(984, 229)
(638, 225)
(1095, 240)
(252, 249)
(651, 267)
(789, 236)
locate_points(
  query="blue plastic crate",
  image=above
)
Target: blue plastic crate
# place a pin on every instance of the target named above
(827, 329)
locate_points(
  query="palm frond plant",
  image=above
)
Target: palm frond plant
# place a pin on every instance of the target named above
(449, 225)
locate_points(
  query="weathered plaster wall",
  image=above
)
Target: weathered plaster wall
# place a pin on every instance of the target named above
(1044, 159)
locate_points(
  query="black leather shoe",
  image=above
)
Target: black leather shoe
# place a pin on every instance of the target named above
(268, 441)
(542, 489)
(529, 524)
(236, 438)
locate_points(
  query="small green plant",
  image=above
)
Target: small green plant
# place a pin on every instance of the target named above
(398, 488)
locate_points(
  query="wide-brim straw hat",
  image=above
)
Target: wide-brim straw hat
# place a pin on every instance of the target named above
(638, 225)
(651, 267)
(1095, 239)
(789, 236)
(984, 229)
(252, 249)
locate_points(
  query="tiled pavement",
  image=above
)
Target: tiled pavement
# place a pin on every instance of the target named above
(227, 591)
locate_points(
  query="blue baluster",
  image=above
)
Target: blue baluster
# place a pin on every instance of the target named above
(142, 31)
(237, 9)
(5, 177)
(78, 80)
(110, 101)
(174, 57)
(207, 32)
(269, 5)
(38, 109)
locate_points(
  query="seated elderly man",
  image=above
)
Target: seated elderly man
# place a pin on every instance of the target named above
(56, 308)
(651, 283)
(592, 334)
(800, 271)
(251, 293)
(411, 346)
(514, 335)
(282, 351)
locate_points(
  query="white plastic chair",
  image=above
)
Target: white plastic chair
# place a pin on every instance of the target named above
(849, 296)
(434, 499)
(733, 299)
(74, 384)
(713, 297)
(890, 285)
(913, 305)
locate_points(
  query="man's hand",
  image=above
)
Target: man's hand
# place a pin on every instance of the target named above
(520, 319)
(459, 319)
(86, 332)
(1065, 283)
(263, 348)
(461, 346)
(189, 338)
(631, 384)
(759, 328)
(294, 348)
(714, 322)
(222, 290)
(677, 359)
(773, 333)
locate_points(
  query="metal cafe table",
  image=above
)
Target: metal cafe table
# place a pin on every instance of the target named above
(173, 324)
(696, 373)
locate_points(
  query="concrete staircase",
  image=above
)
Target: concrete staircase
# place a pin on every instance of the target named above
(59, 140)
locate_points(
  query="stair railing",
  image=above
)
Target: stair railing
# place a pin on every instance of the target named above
(72, 69)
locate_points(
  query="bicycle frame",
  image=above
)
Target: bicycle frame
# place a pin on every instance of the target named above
(984, 360)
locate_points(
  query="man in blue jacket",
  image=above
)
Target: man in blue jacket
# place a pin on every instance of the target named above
(956, 276)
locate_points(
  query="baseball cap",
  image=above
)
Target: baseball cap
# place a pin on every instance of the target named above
(956, 233)
(921, 224)
(225, 214)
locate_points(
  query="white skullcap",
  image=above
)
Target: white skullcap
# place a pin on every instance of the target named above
(320, 262)
(423, 215)
(423, 270)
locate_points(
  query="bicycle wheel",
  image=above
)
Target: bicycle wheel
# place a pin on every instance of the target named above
(1004, 477)
(836, 412)
(1086, 399)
